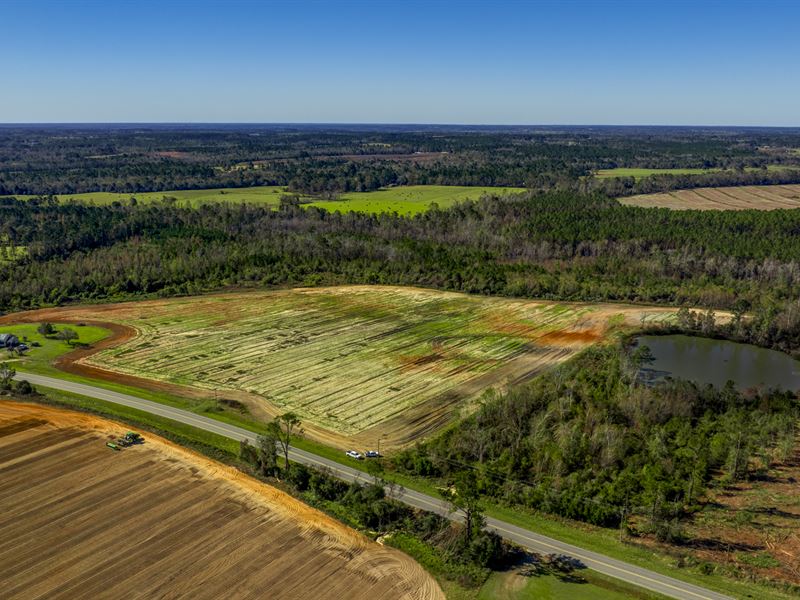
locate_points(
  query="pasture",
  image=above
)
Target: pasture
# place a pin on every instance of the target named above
(268, 195)
(749, 197)
(157, 521)
(402, 199)
(407, 200)
(361, 362)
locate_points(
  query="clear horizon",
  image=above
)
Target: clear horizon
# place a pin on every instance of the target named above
(690, 64)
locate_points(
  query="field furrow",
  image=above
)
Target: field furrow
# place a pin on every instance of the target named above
(349, 359)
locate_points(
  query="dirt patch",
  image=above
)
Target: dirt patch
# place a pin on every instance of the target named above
(569, 337)
(82, 521)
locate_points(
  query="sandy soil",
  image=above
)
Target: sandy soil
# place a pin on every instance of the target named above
(82, 521)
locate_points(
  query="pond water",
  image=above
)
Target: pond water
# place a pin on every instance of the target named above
(704, 360)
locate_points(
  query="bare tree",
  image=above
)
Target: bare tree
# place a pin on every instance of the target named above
(282, 429)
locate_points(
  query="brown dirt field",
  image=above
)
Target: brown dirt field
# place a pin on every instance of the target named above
(758, 197)
(156, 520)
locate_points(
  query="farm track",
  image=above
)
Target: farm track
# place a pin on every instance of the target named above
(357, 363)
(82, 521)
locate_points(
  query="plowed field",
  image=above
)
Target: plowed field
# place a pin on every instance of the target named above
(757, 197)
(157, 521)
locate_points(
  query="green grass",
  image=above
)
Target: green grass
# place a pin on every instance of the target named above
(510, 585)
(641, 173)
(403, 199)
(267, 195)
(408, 200)
(51, 348)
(592, 538)
(637, 173)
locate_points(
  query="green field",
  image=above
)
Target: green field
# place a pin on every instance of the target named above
(269, 195)
(511, 585)
(642, 173)
(409, 199)
(403, 199)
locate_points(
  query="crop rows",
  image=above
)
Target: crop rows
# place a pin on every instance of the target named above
(758, 197)
(345, 358)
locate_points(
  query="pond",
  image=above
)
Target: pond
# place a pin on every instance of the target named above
(705, 360)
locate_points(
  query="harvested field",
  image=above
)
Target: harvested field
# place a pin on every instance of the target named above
(758, 197)
(354, 360)
(157, 521)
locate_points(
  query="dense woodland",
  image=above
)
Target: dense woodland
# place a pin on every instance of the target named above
(328, 159)
(589, 442)
(559, 245)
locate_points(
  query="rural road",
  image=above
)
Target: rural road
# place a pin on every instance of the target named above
(644, 578)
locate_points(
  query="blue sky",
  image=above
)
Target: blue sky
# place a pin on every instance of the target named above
(712, 63)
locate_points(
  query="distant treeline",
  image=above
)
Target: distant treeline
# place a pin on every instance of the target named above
(556, 245)
(64, 160)
(627, 186)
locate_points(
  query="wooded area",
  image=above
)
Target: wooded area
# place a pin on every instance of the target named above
(329, 159)
(556, 246)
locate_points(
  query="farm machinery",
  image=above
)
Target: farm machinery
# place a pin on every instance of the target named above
(129, 439)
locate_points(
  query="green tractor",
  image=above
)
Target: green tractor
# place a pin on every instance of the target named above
(133, 438)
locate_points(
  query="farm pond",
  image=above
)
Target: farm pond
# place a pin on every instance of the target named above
(710, 361)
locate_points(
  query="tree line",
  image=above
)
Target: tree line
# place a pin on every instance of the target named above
(558, 245)
(74, 159)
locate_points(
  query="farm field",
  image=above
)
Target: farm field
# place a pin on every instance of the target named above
(407, 200)
(757, 197)
(637, 173)
(402, 199)
(82, 521)
(360, 363)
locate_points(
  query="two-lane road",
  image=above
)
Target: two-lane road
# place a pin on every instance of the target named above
(644, 578)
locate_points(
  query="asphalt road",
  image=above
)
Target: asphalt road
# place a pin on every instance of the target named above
(644, 578)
